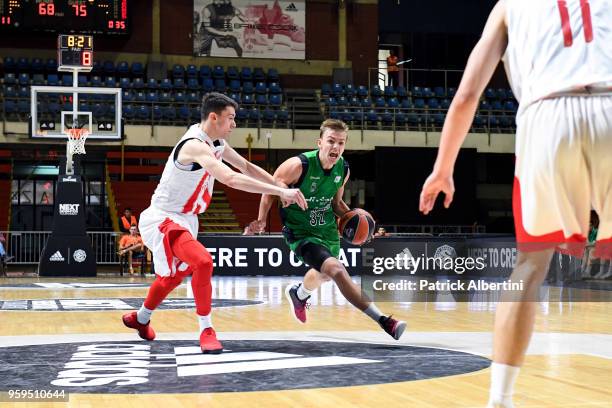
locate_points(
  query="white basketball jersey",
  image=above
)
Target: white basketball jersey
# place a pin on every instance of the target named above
(558, 47)
(186, 188)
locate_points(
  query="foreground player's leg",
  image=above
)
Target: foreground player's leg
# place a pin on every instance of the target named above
(298, 295)
(333, 268)
(193, 253)
(514, 322)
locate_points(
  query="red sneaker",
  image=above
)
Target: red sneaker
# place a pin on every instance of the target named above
(145, 331)
(298, 306)
(209, 343)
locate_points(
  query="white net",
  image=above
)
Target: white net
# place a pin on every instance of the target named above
(76, 141)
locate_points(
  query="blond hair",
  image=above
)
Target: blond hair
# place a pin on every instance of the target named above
(335, 125)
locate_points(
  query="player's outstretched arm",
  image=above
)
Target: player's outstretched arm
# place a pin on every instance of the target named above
(246, 167)
(478, 72)
(199, 152)
(288, 173)
(338, 204)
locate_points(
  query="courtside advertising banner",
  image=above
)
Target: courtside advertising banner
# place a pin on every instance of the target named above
(250, 28)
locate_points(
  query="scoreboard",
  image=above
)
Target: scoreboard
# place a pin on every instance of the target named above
(67, 16)
(75, 50)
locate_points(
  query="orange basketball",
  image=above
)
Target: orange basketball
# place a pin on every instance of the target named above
(357, 226)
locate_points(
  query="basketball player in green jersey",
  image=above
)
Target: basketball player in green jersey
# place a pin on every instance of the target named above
(313, 234)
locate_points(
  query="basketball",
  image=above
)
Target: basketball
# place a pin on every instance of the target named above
(357, 226)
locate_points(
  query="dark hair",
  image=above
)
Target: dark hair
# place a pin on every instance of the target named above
(128, 209)
(216, 102)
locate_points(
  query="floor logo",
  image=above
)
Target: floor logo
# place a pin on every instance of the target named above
(178, 366)
(110, 304)
(57, 257)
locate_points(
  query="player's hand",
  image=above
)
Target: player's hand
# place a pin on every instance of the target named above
(435, 184)
(290, 196)
(255, 227)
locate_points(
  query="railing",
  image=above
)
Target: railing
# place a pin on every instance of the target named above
(25, 247)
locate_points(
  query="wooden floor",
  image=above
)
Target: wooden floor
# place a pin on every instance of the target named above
(569, 363)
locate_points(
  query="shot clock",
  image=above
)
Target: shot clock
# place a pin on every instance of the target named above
(74, 51)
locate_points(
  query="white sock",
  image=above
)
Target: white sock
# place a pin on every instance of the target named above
(303, 293)
(205, 322)
(373, 312)
(143, 315)
(503, 377)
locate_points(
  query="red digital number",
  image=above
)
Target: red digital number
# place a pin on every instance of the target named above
(80, 10)
(86, 59)
(111, 24)
(46, 9)
(566, 28)
(6, 20)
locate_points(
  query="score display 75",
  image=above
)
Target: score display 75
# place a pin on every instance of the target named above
(75, 50)
(91, 16)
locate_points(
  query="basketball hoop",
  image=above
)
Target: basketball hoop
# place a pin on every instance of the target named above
(75, 145)
(76, 140)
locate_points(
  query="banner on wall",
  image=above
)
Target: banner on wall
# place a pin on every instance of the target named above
(250, 28)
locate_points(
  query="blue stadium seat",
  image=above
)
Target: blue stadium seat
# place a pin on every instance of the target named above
(126, 96)
(375, 91)
(433, 103)
(10, 78)
(208, 85)
(401, 118)
(269, 115)
(9, 64)
(178, 71)
(127, 111)
(37, 65)
(194, 114)
(232, 73)
(247, 87)
(179, 83)
(38, 79)
(234, 85)
(125, 83)
(273, 75)
(143, 112)
(372, 117)
(236, 97)
(220, 85)
(490, 93)
(166, 97)
(140, 96)
(165, 84)
(331, 101)
(23, 107)
(191, 71)
(439, 92)
(349, 90)
(274, 88)
(23, 92)
(96, 81)
(137, 69)
(192, 83)
(366, 103)
(509, 105)
(242, 114)
(109, 82)
(261, 88)
(152, 83)
(354, 101)
(401, 92)
(205, 72)
(138, 83)
(254, 114)
(99, 110)
(406, 103)
(484, 105)
(427, 93)
(24, 79)
(23, 65)
(97, 68)
(180, 96)
(108, 68)
(66, 80)
(157, 112)
(282, 115)
(417, 92)
(342, 101)
(183, 113)
(193, 97)
(497, 105)
(393, 103)
(362, 91)
(82, 79)
(445, 103)
(261, 99)
(10, 107)
(248, 99)
(502, 94)
(152, 96)
(218, 72)
(389, 91)
(337, 90)
(169, 113)
(380, 102)
(387, 117)
(246, 74)
(259, 74)
(419, 103)
(275, 100)
(123, 69)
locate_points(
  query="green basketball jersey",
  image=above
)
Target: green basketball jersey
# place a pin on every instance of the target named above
(318, 223)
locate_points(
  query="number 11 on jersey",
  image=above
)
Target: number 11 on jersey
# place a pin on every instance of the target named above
(565, 22)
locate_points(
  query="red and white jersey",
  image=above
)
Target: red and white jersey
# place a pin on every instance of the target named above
(186, 188)
(558, 48)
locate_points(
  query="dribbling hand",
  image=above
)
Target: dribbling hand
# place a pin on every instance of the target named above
(435, 184)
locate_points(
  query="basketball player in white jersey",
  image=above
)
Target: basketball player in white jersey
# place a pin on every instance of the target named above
(558, 57)
(169, 227)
